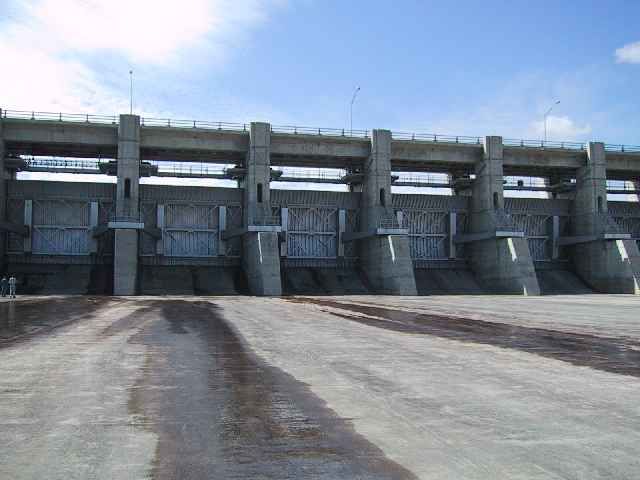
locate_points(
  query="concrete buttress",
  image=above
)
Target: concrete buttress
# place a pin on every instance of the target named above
(125, 260)
(501, 262)
(385, 259)
(3, 200)
(260, 243)
(606, 263)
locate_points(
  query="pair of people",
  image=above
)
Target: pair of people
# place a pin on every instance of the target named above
(8, 286)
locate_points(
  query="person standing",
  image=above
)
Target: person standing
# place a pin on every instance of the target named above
(12, 287)
(4, 285)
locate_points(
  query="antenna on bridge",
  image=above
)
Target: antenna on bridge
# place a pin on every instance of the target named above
(131, 92)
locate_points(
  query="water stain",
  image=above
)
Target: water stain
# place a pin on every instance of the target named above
(22, 319)
(610, 354)
(221, 412)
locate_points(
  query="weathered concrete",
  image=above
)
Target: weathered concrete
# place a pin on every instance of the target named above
(501, 264)
(385, 259)
(261, 263)
(327, 388)
(127, 206)
(261, 249)
(3, 200)
(608, 266)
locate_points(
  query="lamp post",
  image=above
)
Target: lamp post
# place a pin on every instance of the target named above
(545, 119)
(131, 92)
(353, 99)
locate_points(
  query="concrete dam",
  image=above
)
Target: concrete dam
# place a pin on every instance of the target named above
(133, 238)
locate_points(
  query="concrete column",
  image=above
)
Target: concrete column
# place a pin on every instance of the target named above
(606, 265)
(501, 264)
(3, 202)
(261, 252)
(125, 259)
(385, 259)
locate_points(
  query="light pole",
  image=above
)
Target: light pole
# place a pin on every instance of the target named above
(545, 119)
(131, 92)
(353, 99)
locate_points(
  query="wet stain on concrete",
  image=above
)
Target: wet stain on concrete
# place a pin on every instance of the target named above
(609, 354)
(20, 320)
(221, 412)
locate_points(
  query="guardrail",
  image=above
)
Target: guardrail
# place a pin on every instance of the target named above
(327, 132)
(60, 117)
(292, 129)
(432, 137)
(510, 142)
(612, 147)
(169, 122)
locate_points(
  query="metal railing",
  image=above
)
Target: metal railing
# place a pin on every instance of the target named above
(612, 147)
(60, 117)
(389, 221)
(510, 142)
(503, 220)
(130, 218)
(292, 129)
(169, 122)
(327, 132)
(175, 169)
(432, 137)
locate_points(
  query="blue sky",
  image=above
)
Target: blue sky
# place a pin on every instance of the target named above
(472, 68)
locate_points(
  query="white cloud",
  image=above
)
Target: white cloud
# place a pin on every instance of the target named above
(50, 48)
(629, 53)
(561, 128)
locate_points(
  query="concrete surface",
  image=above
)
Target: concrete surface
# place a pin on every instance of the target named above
(364, 387)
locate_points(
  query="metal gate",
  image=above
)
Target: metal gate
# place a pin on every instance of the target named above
(428, 233)
(61, 227)
(538, 232)
(190, 230)
(312, 232)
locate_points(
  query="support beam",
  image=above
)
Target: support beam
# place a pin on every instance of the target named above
(607, 263)
(384, 258)
(125, 261)
(501, 263)
(261, 252)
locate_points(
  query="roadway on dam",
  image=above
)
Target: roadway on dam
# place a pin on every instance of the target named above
(357, 387)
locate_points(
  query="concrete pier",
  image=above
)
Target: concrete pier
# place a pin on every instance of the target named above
(3, 201)
(384, 254)
(125, 267)
(260, 243)
(603, 257)
(499, 258)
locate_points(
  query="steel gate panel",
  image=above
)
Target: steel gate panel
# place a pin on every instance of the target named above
(312, 232)
(61, 227)
(149, 215)
(191, 230)
(537, 231)
(15, 214)
(428, 233)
